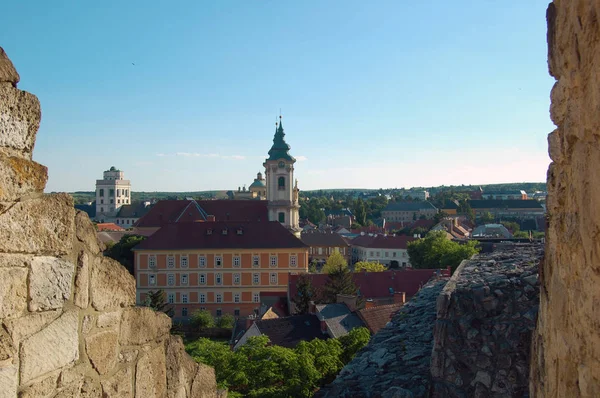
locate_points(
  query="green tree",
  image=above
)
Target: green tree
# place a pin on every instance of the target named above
(436, 251)
(312, 267)
(203, 319)
(360, 212)
(354, 342)
(339, 282)
(334, 262)
(305, 293)
(122, 250)
(521, 234)
(512, 226)
(368, 266)
(487, 218)
(225, 321)
(157, 301)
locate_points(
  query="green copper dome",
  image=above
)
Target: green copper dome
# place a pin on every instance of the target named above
(258, 184)
(280, 148)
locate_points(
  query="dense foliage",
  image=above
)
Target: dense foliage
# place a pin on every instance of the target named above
(437, 251)
(368, 266)
(157, 301)
(340, 279)
(305, 293)
(122, 250)
(258, 369)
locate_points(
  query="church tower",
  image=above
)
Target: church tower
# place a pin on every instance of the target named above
(282, 189)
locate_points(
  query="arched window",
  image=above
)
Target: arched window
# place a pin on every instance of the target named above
(281, 183)
(282, 217)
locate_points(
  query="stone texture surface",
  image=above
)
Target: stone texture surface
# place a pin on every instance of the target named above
(486, 315)
(183, 372)
(119, 386)
(142, 325)
(111, 286)
(38, 226)
(25, 326)
(9, 381)
(19, 176)
(20, 116)
(566, 357)
(50, 283)
(8, 73)
(13, 292)
(86, 233)
(397, 359)
(151, 376)
(51, 348)
(82, 280)
(102, 349)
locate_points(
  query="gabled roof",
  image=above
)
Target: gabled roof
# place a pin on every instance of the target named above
(382, 241)
(376, 318)
(340, 321)
(134, 210)
(108, 226)
(323, 238)
(89, 209)
(211, 235)
(450, 204)
(166, 211)
(409, 206)
(505, 204)
(289, 331)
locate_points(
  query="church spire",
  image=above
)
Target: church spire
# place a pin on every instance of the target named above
(280, 148)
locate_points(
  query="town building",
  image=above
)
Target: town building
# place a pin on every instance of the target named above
(408, 211)
(128, 215)
(219, 266)
(421, 195)
(505, 195)
(514, 208)
(112, 192)
(385, 249)
(321, 244)
(256, 190)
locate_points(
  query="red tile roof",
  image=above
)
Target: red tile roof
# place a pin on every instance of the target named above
(167, 211)
(427, 224)
(196, 235)
(377, 284)
(395, 225)
(382, 241)
(108, 226)
(377, 317)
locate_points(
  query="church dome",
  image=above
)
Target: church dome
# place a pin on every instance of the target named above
(258, 184)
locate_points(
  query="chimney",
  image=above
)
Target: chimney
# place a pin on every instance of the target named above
(210, 218)
(369, 304)
(399, 297)
(323, 327)
(249, 322)
(347, 299)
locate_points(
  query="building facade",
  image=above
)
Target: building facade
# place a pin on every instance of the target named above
(112, 192)
(321, 244)
(408, 211)
(222, 267)
(388, 250)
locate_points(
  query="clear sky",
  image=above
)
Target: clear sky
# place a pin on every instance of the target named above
(183, 95)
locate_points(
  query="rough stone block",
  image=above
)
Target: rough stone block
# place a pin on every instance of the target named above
(20, 116)
(38, 226)
(90, 389)
(181, 368)
(86, 233)
(13, 292)
(51, 348)
(102, 350)
(141, 325)
(119, 386)
(82, 281)
(41, 389)
(9, 380)
(111, 285)
(205, 384)
(50, 283)
(25, 326)
(151, 378)
(109, 319)
(8, 73)
(19, 177)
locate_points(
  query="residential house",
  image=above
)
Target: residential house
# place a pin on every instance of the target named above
(222, 267)
(108, 226)
(408, 211)
(421, 195)
(505, 195)
(321, 244)
(450, 207)
(453, 227)
(390, 250)
(515, 208)
(491, 231)
(337, 319)
(343, 217)
(376, 318)
(128, 215)
(284, 332)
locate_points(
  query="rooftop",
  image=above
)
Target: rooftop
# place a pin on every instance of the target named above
(339, 319)
(289, 331)
(323, 238)
(505, 204)
(382, 241)
(409, 206)
(376, 318)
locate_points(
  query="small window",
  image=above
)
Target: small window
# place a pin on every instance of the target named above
(281, 183)
(273, 261)
(394, 254)
(240, 231)
(293, 260)
(209, 231)
(171, 299)
(184, 279)
(112, 201)
(111, 192)
(184, 298)
(236, 298)
(183, 262)
(256, 297)
(236, 312)
(273, 278)
(171, 262)
(236, 261)
(202, 261)
(202, 279)
(218, 279)
(152, 279)
(202, 298)
(255, 261)
(101, 201)
(236, 278)
(219, 298)
(184, 311)
(171, 279)
(102, 211)
(387, 254)
(127, 222)
(224, 231)
(218, 261)
(255, 278)
(101, 192)
(152, 261)
(219, 312)
(281, 216)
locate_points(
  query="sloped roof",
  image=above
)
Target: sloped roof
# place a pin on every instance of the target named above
(505, 204)
(376, 318)
(338, 318)
(196, 235)
(289, 331)
(427, 224)
(166, 211)
(89, 209)
(382, 241)
(323, 238)
(108, 226)
(134, 210)
(409, 206)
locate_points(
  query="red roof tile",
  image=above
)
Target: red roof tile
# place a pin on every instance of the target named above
(196, 235)
(377, 317)
(382, 241)
(167, 211)
(427, 224)
(108, 226)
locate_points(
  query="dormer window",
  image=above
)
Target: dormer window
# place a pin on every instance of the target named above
(224, 232)
(240, 231)
(209, 231)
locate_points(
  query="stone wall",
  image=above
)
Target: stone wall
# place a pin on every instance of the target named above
(485, 320)
(395, 363)
(566, 358)
(68, 322)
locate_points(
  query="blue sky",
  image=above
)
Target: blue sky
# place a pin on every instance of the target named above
(373, 94)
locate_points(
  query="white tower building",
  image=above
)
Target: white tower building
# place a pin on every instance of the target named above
(112, 192)
(282, 189)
